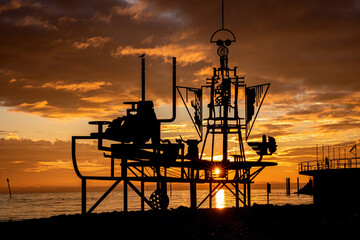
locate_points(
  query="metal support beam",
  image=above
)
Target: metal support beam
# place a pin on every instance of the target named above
(192, 189)
(142, 189)
(210, 195)
(125, 187)
(83, 195)
(103, 196)
(210, 199)
(140, 195)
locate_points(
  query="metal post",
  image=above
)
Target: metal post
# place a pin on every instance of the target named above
(142, 79)
(249, 193)
(268, 191)
(83, 195)
(298, 185)
(248, 183)
(222, 14)
(192, 190)
(142, 189)
(245, 194)
(112, 167)
(163, 185)
(9, 188)
(125, 188)
(288, 186)
(237, 194)
(355, 156)
(210, 194)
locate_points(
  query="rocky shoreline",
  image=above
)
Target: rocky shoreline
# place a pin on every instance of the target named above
(256, 222)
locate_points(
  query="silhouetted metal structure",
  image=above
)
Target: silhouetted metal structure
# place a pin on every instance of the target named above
(135, 139)
(335, 178)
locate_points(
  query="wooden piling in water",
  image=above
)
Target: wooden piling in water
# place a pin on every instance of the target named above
(9, 188)
(288, 186)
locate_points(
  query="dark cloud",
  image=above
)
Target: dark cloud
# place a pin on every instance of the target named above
(308, 50)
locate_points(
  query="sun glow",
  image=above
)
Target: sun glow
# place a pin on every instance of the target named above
(220, 199)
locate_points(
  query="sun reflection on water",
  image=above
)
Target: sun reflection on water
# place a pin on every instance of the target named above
(220, 199)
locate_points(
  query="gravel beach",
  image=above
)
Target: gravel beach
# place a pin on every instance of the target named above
(256, 222)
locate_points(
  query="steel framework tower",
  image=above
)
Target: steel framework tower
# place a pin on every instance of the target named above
(135, 140)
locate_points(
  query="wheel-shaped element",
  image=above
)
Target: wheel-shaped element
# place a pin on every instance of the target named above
(158, 200)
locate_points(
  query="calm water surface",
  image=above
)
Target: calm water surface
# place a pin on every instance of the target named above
(39, 205)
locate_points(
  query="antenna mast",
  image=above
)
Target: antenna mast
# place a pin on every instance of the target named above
(222, 14)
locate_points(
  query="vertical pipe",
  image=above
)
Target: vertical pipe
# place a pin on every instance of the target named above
(222, 14)
(142, 189)
(100, 131)
(297, 185)
(192, 189)
(112, 167)
(174, 89)
(268, 191)
(143, 79)
(236, 113)
(225, 88)
(245, 194)
(212, 147)
(355, 156)
(125, 188)
(174, 95)
(83, 195)
(163, 185)
(182, 162)
(288, 186)
(249, 193)
(237, 193)
(210, 194)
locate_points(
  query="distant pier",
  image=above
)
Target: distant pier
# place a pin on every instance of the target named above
(336, 182)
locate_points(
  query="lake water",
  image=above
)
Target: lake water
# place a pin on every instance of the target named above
(42, 205)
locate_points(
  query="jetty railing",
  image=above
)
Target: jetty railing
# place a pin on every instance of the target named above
(341, 163)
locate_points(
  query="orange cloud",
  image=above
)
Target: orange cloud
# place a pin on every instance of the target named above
(92, 42)
(185, 54)
(78, 87)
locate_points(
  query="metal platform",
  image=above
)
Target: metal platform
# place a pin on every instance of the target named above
(335, 181)
(135, 139)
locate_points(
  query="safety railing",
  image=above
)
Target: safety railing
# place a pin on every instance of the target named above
(342, 163)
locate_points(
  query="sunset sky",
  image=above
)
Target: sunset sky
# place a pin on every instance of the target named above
(65, 63)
